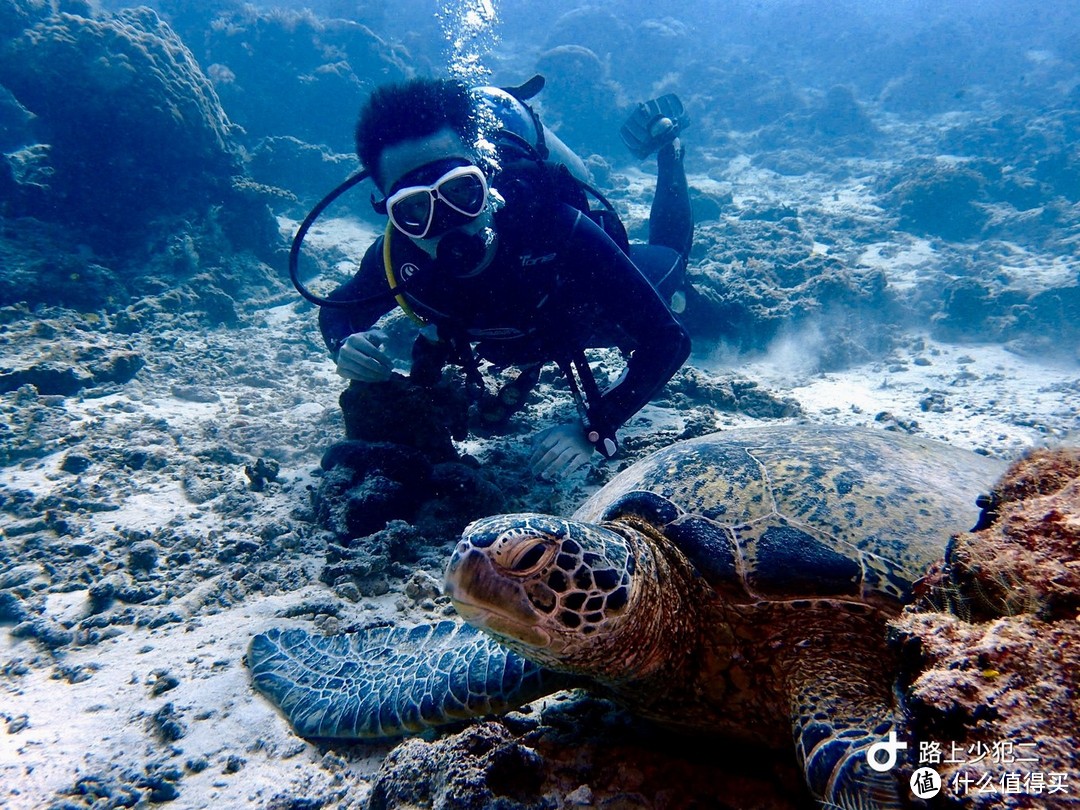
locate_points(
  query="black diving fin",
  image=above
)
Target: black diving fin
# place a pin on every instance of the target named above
(653, 124)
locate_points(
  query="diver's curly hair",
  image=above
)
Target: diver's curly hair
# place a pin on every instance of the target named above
(412, 109)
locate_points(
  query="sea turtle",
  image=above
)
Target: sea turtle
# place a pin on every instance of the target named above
(738, 583)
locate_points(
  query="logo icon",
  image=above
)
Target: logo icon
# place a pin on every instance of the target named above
(925, 783)
(887, 749)
(407, 269)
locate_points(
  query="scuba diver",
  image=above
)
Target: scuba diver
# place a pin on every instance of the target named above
(491, 242)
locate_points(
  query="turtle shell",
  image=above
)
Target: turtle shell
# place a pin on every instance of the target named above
(794, 511)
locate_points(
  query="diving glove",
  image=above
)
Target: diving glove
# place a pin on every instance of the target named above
(653, 124)
(560, 451)
(361, 357)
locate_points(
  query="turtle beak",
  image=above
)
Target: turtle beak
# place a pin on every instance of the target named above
(488, 600)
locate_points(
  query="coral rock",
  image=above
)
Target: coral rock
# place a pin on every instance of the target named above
(997, 673)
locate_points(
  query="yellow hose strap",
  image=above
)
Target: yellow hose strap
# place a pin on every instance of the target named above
(391, 278)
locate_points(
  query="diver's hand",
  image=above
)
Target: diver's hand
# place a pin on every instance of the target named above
(559, 451)
(362, 358)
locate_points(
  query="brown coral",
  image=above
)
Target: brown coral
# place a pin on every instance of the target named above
(996, 684)
(1027, 560)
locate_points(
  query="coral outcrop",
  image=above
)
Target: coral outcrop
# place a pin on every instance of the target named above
(991, 674)
(133, 125)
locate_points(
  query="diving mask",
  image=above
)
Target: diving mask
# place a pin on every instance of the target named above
(412, 209)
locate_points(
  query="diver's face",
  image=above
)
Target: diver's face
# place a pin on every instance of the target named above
(426, 217)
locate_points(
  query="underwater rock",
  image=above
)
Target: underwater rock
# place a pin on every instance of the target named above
(709, 206)
(735, 96)
(33, 426)
(195, 277)
(44, 359)
(1027, 560)
(836, 125)
(135, 129)
(1043, 324)
(636, 53)
(402, 463)
(1061, 170)
(365, 565)
(368, 484)
(167, 724)
(599, 30)
(841, 116)
(760, 281)
(730, 393)
(482, 766)
(461, 493)
(1048, 324)
(401, 412)
(15, 132)
(992, 650)
(44, 263)
(261, 473)
(46, 378)
(290, 73)
(363, 458)
(933, 81)
(306, 170)
(940, 198)
(55, 377)
(157, 782)
(967, 307)
(579, 751)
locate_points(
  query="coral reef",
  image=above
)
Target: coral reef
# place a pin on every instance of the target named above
(731, 393)
(581, 102)
(402, 412)
(760, 279)
(290, 73)
(134, 127)
(992, 682)
(368, 484)
(399, 462)
(939, 199)
(837, 121)
(303, 169)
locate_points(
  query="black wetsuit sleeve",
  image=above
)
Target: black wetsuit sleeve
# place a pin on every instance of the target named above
(368, 286)
(627, 312)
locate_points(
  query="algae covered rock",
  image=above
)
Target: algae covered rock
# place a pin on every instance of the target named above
(133, 125)
(992, 656)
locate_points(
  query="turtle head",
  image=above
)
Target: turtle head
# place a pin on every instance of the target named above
(556, 591)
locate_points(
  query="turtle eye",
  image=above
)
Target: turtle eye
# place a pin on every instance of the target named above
(529, 557)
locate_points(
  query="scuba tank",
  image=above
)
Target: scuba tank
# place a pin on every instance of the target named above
(518, 119)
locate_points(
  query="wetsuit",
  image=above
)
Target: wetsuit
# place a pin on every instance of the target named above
(556, 285)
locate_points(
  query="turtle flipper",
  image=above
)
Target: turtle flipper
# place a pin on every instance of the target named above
(838, 771)
(390, 681)
(841, 706)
